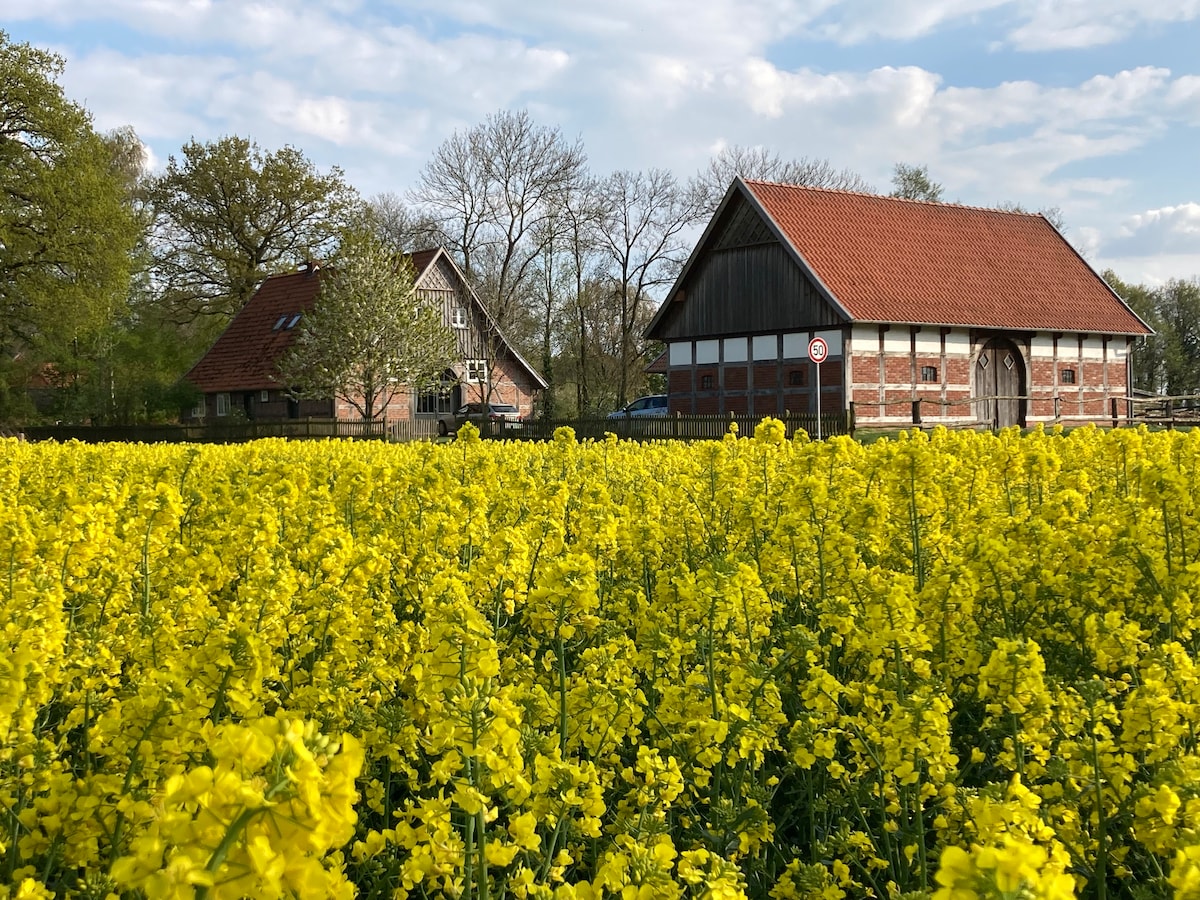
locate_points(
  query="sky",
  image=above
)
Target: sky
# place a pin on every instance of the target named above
(1092, 106)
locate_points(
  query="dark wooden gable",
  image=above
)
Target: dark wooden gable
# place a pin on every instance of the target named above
(743, 280)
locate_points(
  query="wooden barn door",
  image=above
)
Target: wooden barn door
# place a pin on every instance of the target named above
(1000, 383)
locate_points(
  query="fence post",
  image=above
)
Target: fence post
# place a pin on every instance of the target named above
(851, 419)
(916, 412)
(675, 424)
(1057, 413)
(1116, 415)
(1171, 413)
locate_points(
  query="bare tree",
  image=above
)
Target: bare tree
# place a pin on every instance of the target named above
(642, 230)
(709, 185)
(404, 227)
(492, 190)
(1052, 214)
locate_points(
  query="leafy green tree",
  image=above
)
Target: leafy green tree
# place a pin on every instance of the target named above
(911, 182)
(67, 232)
(369, 335)
(1147, 358)
(227, 214)
(1179, 311)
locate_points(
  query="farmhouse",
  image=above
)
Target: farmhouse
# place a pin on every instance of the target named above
(238, 375)
(986, 317)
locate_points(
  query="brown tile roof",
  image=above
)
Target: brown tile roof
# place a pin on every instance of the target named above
(890, 260)
(243, 358)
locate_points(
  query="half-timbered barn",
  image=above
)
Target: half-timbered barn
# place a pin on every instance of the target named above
(987, 317)
(238, 376)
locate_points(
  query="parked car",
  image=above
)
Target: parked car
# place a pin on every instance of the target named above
(488, 417)
(652, 405)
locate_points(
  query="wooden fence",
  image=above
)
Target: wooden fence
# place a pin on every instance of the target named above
(1170, 412)
(237, 432)
(677, 427)
(1118, 411)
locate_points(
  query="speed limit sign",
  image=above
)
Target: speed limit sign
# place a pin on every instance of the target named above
(817, 351)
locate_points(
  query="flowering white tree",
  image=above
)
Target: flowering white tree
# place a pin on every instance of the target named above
(369, 335)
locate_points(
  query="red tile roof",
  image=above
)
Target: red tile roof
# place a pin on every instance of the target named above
(908, 261)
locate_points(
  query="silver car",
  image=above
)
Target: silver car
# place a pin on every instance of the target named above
(490, 418)
(651, 405)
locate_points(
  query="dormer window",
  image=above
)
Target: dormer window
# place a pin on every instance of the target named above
(292, 323)
(279, 324)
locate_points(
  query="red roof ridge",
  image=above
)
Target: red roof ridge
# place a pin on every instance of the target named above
(873, 196)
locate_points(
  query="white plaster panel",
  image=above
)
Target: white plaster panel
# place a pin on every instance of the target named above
(735, 349)
(929, 342)
(865, 338)
(897, 341)
(795, 346)
(766, 346)
(1042, 346)
(833, 339)
(707, 352)
(681, 353)
(958, 343)
(1093, 348)
(1118, 350)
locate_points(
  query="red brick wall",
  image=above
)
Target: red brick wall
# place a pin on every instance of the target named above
(736, 378)
(679, 381)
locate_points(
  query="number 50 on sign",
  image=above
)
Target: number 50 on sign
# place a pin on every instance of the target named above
(818, 350)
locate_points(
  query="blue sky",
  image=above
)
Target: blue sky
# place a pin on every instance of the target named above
(1092, 106)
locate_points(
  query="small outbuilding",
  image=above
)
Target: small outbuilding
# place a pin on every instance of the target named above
(987, 317)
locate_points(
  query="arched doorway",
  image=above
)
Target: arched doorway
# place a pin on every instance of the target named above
(1000, 384)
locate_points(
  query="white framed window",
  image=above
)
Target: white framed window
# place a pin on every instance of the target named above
(458, 317)
(222, 404)
(198, 410)
(476, 371)
(735, 350)
(264, 396)
(765, 346)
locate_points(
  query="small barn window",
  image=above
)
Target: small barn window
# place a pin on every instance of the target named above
(1068, 376)
(458, 317)
(797, 378)
(222, 404)
(929, 373)
(264, 396)
(198, 410)
(476, 371)
(706, 382)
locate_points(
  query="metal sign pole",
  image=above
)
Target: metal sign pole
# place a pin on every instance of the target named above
(818, 350)
(818, 401)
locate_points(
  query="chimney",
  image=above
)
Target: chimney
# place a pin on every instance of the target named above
(310, 266)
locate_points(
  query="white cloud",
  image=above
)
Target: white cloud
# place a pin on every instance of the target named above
(1167, 230)
(1065, 24)
(375, 85)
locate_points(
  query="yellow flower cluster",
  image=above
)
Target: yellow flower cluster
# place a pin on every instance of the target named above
(948, 665)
